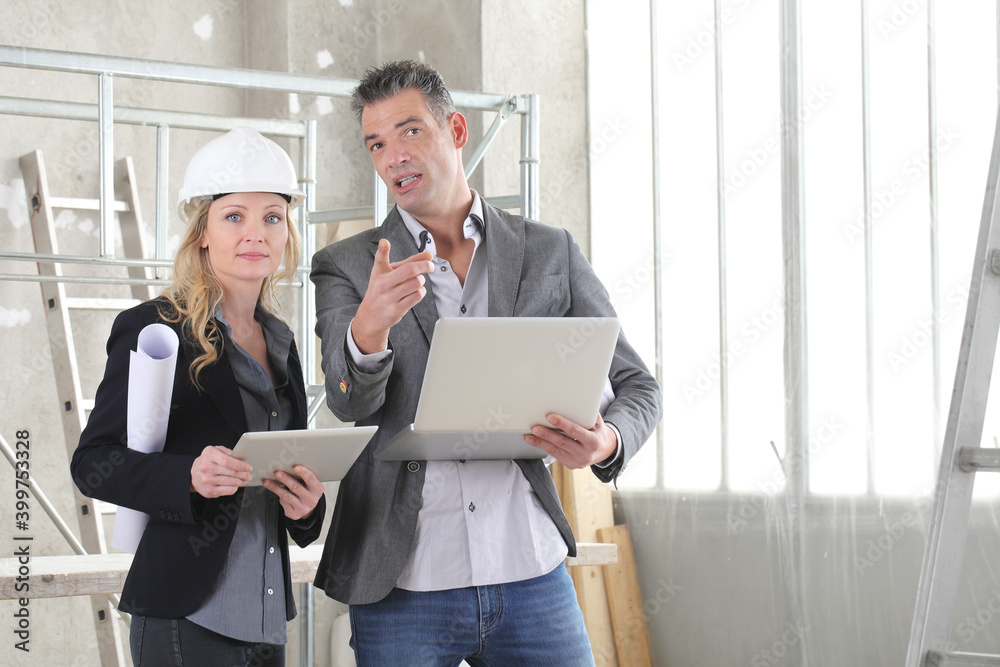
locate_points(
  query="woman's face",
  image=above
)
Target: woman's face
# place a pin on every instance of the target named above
(245, 235)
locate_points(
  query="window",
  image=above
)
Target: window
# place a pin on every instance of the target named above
(883, 311)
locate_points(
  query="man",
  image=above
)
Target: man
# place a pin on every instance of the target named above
(445, 560)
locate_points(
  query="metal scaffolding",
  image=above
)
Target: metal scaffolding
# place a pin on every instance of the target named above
(107, 68)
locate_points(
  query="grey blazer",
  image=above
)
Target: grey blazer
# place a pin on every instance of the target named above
(534, 271)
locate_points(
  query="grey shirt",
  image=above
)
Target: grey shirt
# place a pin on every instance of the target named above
(248, 600)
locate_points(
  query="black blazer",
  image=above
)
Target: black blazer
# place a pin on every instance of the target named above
(186, 542)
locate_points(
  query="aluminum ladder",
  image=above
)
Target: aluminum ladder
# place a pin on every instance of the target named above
(72, 406)
(961, 454)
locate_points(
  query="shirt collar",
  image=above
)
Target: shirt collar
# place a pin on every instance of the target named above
(473, 227)
(268, 322)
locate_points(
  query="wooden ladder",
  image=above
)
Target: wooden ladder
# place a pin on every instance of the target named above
(72, 406)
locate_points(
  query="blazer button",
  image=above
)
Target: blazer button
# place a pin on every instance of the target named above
(413, 466)
(163, 514)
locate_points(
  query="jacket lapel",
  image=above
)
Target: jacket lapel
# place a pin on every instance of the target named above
(295, 377)
(219, 383)
(505, 255)
(220, 386)
(401, 247)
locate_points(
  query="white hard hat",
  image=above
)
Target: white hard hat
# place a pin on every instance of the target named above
(242, 160)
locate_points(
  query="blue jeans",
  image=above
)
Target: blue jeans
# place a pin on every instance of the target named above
(177, 642)
(532, 622)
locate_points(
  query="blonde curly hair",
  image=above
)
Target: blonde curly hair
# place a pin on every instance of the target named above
(195, 291)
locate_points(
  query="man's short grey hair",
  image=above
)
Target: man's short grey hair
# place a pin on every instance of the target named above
(390, 79)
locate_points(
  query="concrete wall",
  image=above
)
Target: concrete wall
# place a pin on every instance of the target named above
(541, 48)
(485, 45)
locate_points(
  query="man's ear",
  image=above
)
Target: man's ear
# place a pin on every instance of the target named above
(459, 129)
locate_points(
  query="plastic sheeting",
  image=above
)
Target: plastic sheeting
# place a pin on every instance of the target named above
(752, 549)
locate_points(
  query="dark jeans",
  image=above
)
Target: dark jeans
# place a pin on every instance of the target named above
(177, 642)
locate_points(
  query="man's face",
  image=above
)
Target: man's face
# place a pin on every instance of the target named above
(417, 158)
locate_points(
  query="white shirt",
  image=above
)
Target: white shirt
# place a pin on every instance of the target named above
(481, 523)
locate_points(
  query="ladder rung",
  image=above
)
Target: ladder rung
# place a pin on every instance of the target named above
(975, 459)
(85, 303)
(935, 659)
(84, 204)
(105, 508)
(87, 404)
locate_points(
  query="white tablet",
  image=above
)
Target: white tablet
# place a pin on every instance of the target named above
(328, 452)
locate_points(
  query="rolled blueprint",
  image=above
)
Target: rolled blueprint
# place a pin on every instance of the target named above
(150, 385)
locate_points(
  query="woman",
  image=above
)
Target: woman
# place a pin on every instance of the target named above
(210, 582)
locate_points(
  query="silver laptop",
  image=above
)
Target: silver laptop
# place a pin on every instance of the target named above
(490, 379)
(328, 452)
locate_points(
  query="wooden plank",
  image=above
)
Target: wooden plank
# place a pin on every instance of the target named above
(59, 576)
(593, 554)
(101, 574)
(130, 222)
(625, 600)
(556, 470)
(587, 504)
